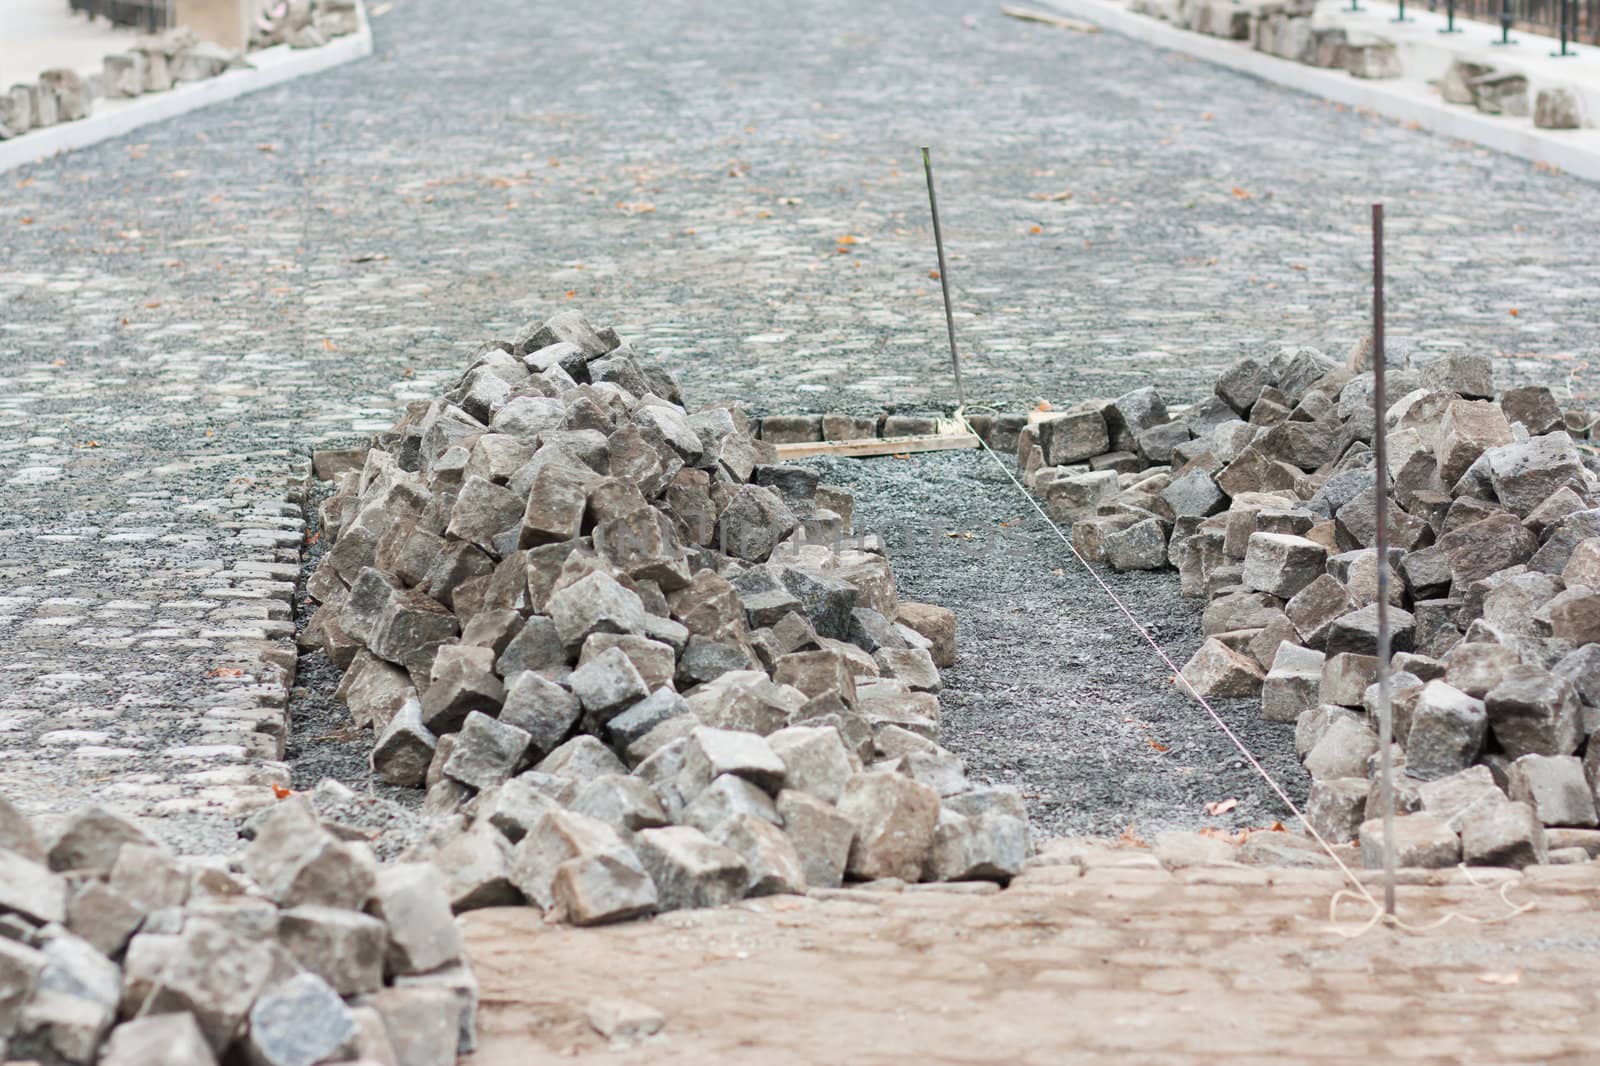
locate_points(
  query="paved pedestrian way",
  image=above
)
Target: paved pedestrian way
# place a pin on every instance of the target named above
(1105, 957)
(736, 188)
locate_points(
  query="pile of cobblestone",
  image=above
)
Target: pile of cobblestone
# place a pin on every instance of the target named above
(1264, 498)
(634, 661)
(159, 62)
(303, 950)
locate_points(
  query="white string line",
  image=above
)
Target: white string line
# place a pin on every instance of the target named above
(1178, 674)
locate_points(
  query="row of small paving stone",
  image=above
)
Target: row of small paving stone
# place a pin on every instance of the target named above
(160, 62)
(1264, 497)
(300, 950)
(627, 655)
(1288, 29)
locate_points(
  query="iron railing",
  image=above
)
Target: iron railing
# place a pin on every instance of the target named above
(147, 15)
(1581, 17)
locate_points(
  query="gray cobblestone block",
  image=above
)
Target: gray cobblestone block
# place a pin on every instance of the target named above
(791, 429)
(690, 869)
(639, 719)
(374, 690)
(815, 760)
(772, 865)
(103, 917)
(1345, 678)
(895, 819)
(422, 1024)
(1336, 807)
(1293, 685)
(1557, 108)
(405, 748)
(607, 684)
(1072, 437)
(214, 975)
(1556, 789)
(1089, 534)
(580, 759)
(1525, 473)
(763, 596)
(536, 645)
(476, 867)
(625, 803)
(1420, 841)
(90, 840)
(17, 834)
(1356, 632)
(814, 673)
(299, 1022)
(296, 861)
(1282, 564)
(1467, 429)
(1446, 734)
(343, 947)
(850, 427)
(460, 682)
(1069, 497)
(826, 601)
(170, 1039)
(514, 807)
(1452, 798)
(711, 753)
(413, 628)
(1141, 546)
(1534, 712)
(753, 523)
(487, 752)
(564, 327)
(1343, 749)
(727, 796)
(912, 666)
(709, 606)
(555, 839)
(411, 900)
(596, 603)
(1502, 834)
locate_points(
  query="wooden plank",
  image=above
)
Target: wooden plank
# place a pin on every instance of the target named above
(870, 446)
(1029, 15)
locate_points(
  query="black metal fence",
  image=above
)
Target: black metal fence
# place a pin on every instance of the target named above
(149, 15)
(1581, 17)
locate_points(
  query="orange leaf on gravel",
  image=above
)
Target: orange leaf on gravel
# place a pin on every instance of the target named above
(1221, 806)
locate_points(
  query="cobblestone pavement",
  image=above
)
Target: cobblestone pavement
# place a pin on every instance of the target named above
(736, 188)
(1108, 959)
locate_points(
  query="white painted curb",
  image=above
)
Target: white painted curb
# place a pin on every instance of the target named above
(1575, 152)
(113, 118)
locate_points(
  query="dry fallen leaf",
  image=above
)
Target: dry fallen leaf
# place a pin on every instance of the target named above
(1513, 312)
(1157, 745)
(1221, 806)
(225, 671)
(1240, 194)
(281, 792)
(329, 345)
(1494, 978)
(90, 444)
(1053, 197)
(1036, 229)
(1131, 838)
(849, 238)
(934, 274)
(1043, 405)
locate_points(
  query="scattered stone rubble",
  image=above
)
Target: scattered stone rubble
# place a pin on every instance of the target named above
(1263, 497)
(302, 950)
(633, 660)
(1290, 30)
(159, 62)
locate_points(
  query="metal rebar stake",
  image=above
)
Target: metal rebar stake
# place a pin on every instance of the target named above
(1381, 457)
(944, 279)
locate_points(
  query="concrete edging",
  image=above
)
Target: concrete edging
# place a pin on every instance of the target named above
(1575, 152)
(114, 118)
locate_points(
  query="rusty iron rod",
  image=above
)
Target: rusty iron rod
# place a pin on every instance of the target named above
(944, 279)
(1381, 461)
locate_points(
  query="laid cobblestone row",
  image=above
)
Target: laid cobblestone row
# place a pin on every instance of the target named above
(1264, 497)
(636, 662)
(300, 951)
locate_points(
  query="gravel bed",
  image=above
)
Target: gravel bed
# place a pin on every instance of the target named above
(1052, 690)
